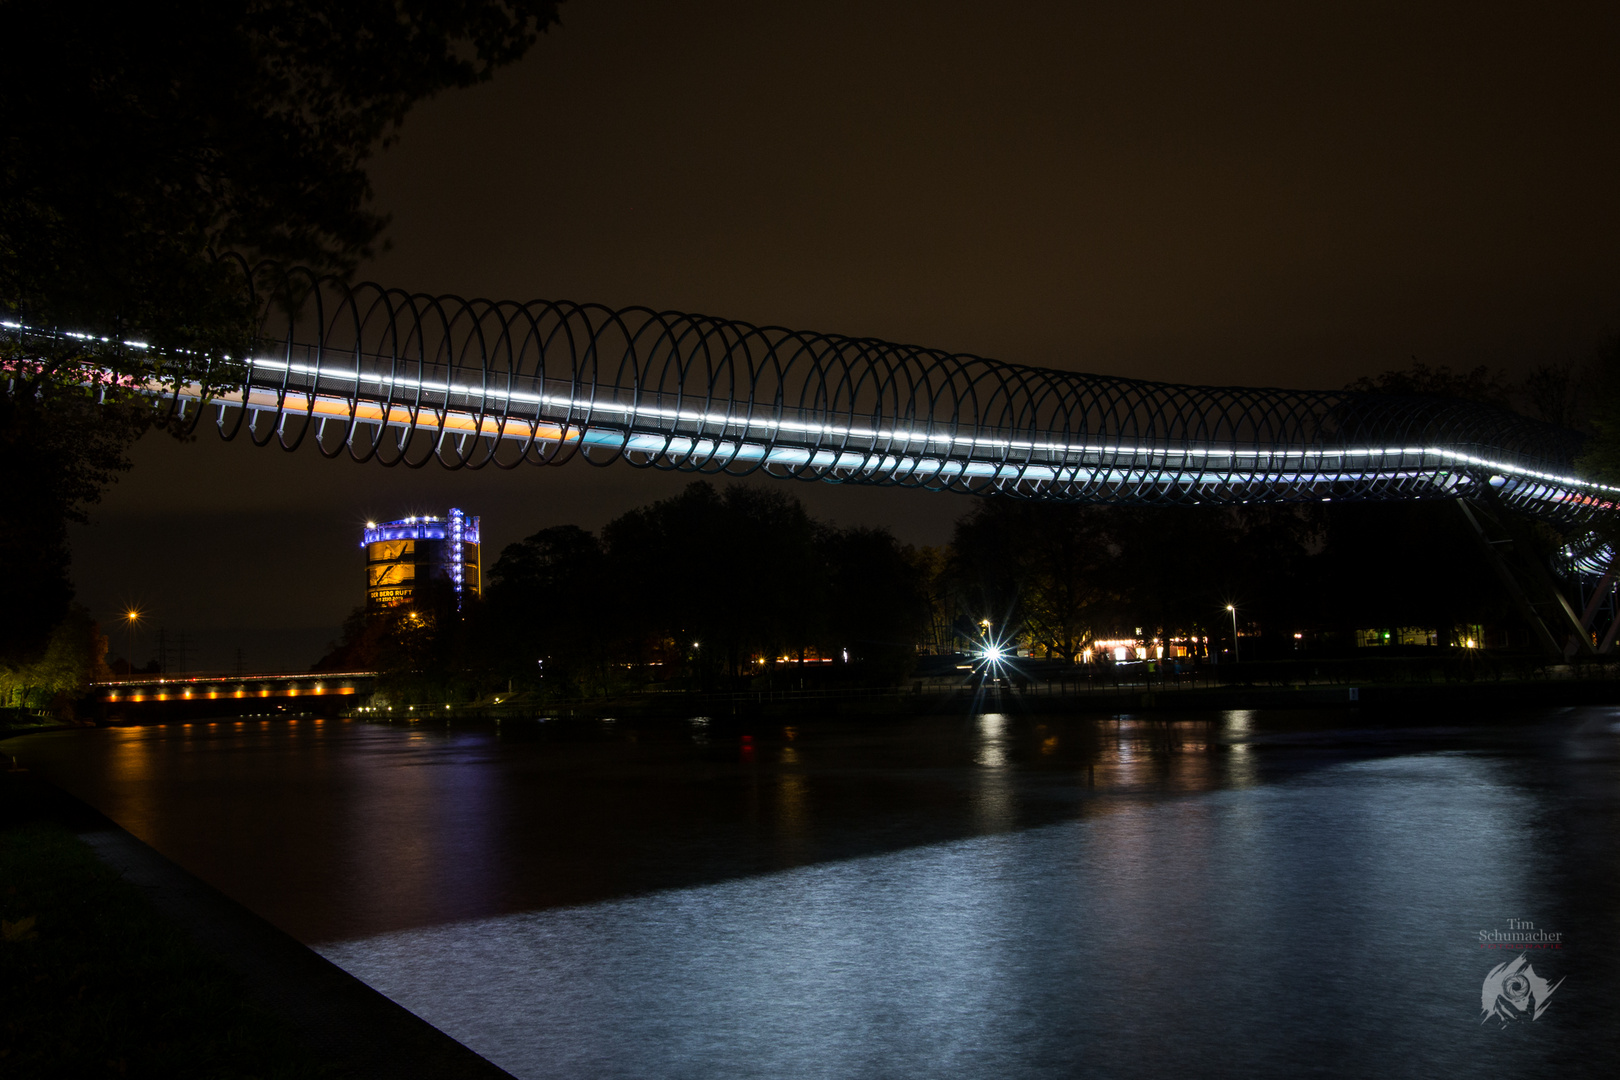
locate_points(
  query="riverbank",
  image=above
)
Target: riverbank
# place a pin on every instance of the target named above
(120, 963)
(1075, 698)
(25, 722)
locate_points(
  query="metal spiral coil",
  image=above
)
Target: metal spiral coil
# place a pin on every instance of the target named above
(407, 379)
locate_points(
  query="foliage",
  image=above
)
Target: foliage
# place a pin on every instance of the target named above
(702, 588)
(422, 652)
(58, 674)
(58, 449)
(929, 565)
(725, 574)
(1479, 384)
(1055, 578)
(140, 139)
(1406, 564)
(876, 601)
(1036, 570)
(551, 611)
(711, 588)
(1601, 454)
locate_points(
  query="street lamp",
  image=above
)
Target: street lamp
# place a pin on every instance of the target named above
(131, 618)
(1233, 612)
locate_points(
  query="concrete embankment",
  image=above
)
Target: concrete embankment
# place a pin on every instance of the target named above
(345, 1025)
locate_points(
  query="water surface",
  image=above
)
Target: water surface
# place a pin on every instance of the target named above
(1233, 894)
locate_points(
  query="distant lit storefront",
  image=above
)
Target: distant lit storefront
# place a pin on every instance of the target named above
(1471, 636)
(403, 556)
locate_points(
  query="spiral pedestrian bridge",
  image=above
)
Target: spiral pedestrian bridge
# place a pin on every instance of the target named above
(380, 374)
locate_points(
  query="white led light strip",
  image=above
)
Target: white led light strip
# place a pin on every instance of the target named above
(370, 398)
(977, 446)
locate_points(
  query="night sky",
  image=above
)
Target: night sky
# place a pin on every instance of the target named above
(1276, 193)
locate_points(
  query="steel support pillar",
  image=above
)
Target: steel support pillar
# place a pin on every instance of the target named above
(1539, 600)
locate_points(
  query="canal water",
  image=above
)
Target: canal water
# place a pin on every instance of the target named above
(1232, 894)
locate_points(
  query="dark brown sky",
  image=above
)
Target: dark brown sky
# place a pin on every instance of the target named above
(1260, 193)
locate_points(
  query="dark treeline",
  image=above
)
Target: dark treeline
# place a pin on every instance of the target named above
(1060, 577)
(708, 589)
(740, 588)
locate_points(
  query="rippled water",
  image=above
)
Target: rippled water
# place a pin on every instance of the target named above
(1236, 894)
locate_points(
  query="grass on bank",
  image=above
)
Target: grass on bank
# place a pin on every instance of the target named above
(94, 982)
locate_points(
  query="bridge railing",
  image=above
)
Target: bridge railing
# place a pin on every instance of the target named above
(403, 378)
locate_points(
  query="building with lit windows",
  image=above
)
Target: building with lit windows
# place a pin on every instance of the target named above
(402, 557)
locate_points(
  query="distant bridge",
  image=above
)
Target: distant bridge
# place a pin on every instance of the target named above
(180, 697)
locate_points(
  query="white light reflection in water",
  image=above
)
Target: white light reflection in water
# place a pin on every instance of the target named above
(1197, 936)
(1240, 764)
(992, 749)
(994, 798)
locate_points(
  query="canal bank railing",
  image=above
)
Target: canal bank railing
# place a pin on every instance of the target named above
(1266, 683)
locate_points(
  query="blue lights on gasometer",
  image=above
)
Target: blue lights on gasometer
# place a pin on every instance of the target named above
(458, 530)
(456, 526)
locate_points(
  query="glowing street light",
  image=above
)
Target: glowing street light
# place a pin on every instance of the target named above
(994, 650)
(1233, 612)
(132, 618)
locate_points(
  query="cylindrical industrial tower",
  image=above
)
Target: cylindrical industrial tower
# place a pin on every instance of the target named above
(403, 557)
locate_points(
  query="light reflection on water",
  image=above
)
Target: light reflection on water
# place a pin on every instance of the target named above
(1002, 895)
(1321, 924)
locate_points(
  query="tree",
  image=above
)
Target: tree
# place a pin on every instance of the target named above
(877, 605)
(932, 565)
(1045, 571)
(1178, 568)
(141, 139)
(1417, 563)
(425, 651)
(728, 573)
(54, 678)
(1479, 384)
(1600, 457)
(1406, 564)
(551, 599)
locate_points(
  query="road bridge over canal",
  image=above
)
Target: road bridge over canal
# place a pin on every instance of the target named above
(186, 697)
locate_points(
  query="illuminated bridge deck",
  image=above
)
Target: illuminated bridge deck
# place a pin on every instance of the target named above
(384, 375)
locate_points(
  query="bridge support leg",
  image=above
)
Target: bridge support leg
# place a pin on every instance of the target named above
(1541, 603)
(1605, 586)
